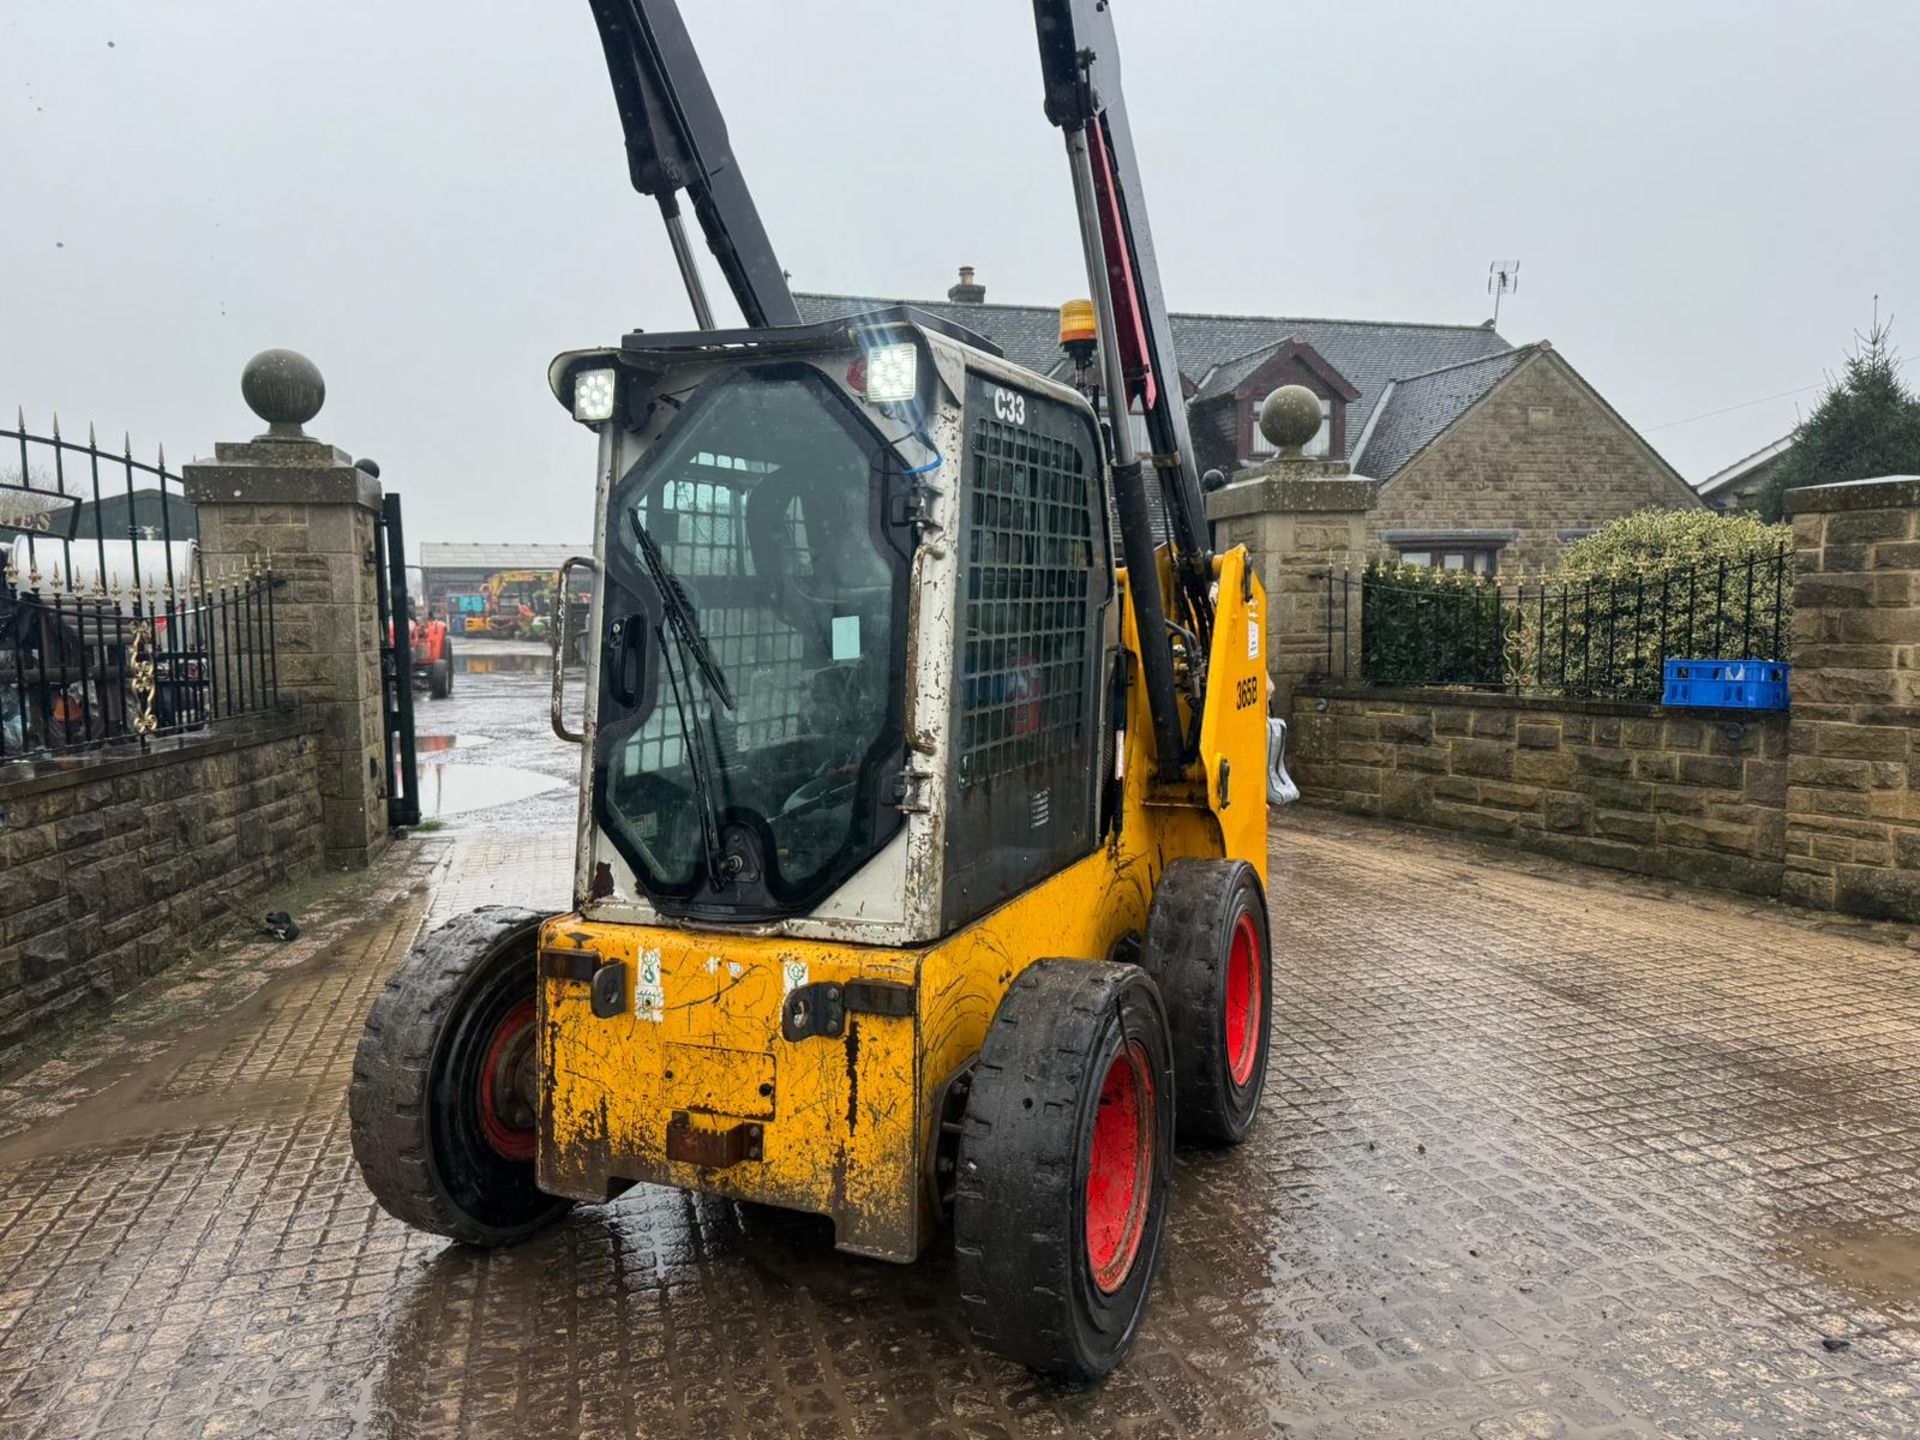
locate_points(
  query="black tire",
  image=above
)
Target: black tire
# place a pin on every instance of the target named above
(419, 1132)
(1199, 908)
(1028, 1239)
(440, 676)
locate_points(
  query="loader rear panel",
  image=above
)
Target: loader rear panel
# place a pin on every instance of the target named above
(690, 1082)
(839, 1125)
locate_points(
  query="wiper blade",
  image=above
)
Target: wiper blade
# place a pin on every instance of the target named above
(680, 614)
(681, 622)
(698, 761)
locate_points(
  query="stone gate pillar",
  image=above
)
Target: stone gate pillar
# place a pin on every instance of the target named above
(298, 500)
(1853, 772)
(1298, 518)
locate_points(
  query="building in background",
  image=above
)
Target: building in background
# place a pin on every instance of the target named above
(1489, 455)
(1742, 485)
(143, 515)
(1228, 363)
(1497, 464)
(460, 568)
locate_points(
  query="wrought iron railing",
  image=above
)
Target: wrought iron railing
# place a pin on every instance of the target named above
(1602, 636)
(113, 625)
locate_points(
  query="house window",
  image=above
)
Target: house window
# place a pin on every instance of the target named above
(1479, 559)
(1315, 449)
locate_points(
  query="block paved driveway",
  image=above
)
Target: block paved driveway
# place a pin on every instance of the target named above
(1543, 1154)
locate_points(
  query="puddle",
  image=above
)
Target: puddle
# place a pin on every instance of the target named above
(467, 663)
(1876, 1263)
(456, 789)
(432, 744)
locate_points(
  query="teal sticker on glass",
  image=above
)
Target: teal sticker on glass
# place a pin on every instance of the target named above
(846, 637)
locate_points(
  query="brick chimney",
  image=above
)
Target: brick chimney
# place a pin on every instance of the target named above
(966, 292)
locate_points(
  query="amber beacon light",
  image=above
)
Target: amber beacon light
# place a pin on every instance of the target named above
(1076, 323)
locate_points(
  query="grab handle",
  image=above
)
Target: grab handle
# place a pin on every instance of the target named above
(563, 612)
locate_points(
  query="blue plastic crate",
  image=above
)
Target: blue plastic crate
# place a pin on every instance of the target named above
(1727, 684)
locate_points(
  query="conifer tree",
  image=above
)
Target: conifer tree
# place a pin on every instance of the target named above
(1866, 425)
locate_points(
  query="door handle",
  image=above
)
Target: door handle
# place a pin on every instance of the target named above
(563, 612)
(626, 658)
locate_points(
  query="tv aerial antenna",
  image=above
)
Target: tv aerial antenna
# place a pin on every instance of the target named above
(1503, 279)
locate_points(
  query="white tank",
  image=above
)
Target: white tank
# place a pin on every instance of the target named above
(78, 565)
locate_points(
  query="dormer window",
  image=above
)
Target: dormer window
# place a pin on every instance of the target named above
(1226, 405)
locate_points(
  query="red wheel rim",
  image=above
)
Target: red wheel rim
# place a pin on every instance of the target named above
(1243, 1000)
(506, 1089)
(1120, 1168)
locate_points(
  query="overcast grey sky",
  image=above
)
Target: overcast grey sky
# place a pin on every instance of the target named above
(429, 197)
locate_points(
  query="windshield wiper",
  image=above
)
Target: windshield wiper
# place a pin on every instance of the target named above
(680, 622)
(720, 866)
(679, 613)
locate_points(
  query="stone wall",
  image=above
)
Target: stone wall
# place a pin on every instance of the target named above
(115, 863)
(1688, 795)
(1853, 829)
(1542, 455)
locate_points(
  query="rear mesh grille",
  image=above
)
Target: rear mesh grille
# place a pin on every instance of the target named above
(1029, 565)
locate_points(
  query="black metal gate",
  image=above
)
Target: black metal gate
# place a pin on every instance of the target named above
(396, 666)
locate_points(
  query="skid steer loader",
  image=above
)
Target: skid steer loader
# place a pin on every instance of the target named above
(923, 827)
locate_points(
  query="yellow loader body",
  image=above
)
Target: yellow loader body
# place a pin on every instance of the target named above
(693, 1081)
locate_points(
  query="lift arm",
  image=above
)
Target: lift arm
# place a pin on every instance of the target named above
(1080, 61)
(677, 140)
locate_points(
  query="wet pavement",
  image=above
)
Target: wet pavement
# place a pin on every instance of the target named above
(1544, 1153)
(487, 753)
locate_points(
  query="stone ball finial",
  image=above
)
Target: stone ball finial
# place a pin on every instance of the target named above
(1290, 417)
(285, 389)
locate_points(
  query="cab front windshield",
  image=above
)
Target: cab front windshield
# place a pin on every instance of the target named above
(766, 506)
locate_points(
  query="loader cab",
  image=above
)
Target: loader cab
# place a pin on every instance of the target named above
(855, 630)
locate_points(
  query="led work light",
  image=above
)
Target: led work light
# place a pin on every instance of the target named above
(593, 396)
(893, 372)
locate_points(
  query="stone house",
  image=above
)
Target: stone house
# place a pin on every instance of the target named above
(1490, 457)
(1742, 485)
(1496, 464)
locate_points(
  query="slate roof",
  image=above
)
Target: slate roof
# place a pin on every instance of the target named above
(1029, 334)
(1745, 466)
(1414, 411)
(1369, 353)
(1226, 377)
